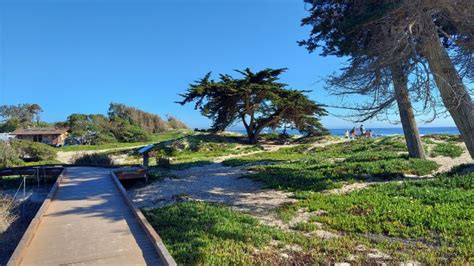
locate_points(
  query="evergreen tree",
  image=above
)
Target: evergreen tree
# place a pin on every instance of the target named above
(258, 100)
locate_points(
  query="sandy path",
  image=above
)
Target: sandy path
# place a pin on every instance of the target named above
(212, 183)
(68, 156)
(446, 163)
(217, 183)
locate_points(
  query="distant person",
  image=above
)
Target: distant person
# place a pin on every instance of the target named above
(346, 135)
(362, 130)
(369, 134)
(352, 133)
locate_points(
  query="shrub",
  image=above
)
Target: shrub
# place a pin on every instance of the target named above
(8, 156)
(103, 138)
(33, 151)
(94, 159)
(131, 133)
(175, 123)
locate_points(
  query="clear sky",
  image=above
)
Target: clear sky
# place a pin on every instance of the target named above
(77, 56)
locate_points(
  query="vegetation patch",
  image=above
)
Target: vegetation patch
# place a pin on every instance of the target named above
(199, 233)
(443, 137)
(94, 159)
(201, 149)
(303, 167)
(33, 151)
(155, 138)
(447, 149)
(437, 214)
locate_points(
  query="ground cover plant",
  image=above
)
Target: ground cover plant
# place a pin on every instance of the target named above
(443, 137)
(305, 168)
(199, 233)
(426, 220)
(446, 149)
(200, 149)
(436, 215)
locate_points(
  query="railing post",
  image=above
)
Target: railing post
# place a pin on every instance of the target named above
(24, 186)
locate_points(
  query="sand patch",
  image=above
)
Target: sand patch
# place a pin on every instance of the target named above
(211, 183)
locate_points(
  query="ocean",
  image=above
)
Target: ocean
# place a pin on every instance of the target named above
(389, 131)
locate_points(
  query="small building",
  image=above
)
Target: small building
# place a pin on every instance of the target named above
(50, 136)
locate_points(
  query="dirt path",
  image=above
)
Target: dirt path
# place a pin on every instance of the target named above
(68, 156)
(211, 183)
(446, 163)
(216, 183)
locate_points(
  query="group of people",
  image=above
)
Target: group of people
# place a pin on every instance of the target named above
(353, 134)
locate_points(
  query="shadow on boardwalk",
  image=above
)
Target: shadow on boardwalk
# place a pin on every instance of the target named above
(89, 222)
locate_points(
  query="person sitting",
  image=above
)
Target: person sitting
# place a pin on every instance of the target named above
(368, 134)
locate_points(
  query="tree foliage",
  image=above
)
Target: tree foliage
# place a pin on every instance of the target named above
(22, 115)
(151, 123)
(419, 36)
(123, 124)
(258, 100)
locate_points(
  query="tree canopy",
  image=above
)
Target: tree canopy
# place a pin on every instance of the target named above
(22, 115)
(123, 124)
(258, 100)
(419, 36)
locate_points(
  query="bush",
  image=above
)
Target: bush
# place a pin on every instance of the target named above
(33, 151)
(131, 133)
(103, 138)
(94, 159)
(8, 156)
(175, 123)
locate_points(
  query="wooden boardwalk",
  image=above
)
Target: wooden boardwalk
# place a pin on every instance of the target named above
(89, 223)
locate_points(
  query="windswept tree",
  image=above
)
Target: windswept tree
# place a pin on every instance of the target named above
(257, 100)
(401, 38)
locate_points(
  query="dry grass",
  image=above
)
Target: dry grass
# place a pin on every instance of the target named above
(7, 215)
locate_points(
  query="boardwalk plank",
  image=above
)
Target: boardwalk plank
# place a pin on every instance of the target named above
(89, 223)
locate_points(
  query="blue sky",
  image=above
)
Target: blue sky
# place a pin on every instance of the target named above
(77, 56)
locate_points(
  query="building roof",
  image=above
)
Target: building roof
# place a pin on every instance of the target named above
(39, 131)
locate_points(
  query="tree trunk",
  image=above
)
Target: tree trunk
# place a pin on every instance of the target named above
(453, 92)
(253, 138)
(410, 130)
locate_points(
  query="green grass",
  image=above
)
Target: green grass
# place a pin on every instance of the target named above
(173, 134)
(201, 149)
(198, 233)
(438, 214)
(430, 221)
(446, 149)
(318, 175)
(305, 168)
(443, 137)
